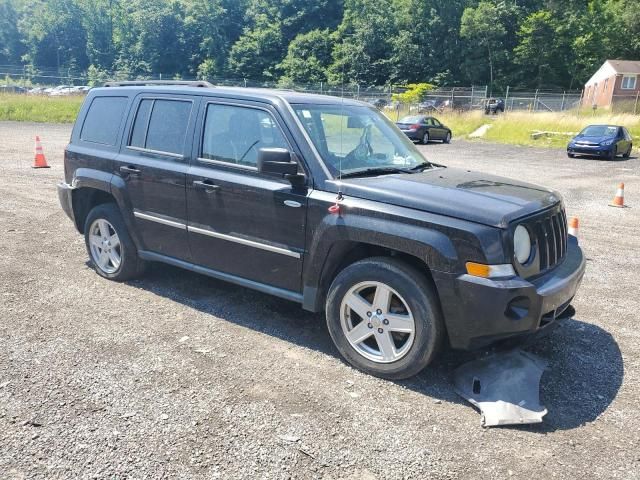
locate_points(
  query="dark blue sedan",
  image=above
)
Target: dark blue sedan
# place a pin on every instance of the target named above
(605, 141)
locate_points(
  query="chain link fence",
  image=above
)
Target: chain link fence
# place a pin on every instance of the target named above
(25, 79)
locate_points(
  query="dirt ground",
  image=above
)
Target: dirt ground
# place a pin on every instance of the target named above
(180, 376)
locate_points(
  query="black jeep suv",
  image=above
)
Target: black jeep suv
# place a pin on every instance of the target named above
(321, 201)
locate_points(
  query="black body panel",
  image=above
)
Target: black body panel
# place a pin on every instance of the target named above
(233, 222)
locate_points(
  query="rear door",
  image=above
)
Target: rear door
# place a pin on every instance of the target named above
(242, 222)
(439, 128)
(434, 132)
(153, 165)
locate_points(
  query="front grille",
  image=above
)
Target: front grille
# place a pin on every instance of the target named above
(551, 239)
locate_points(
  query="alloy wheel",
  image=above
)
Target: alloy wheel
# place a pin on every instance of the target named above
(377, 322)
(105, 246)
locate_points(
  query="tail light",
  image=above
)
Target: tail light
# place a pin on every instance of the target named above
(415, 126)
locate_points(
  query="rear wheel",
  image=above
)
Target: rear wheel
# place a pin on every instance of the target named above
(447, 138)
(111, 250)
(384, 318)
(425, 138)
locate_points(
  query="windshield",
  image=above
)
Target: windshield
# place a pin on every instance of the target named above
(352, 139)
(599, 131)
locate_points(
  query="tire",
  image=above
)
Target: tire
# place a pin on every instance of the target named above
(571, 155)
(413, 303)
(447, 138)
(612, 154)
(425, 138)
(105, 222)
(628, 152)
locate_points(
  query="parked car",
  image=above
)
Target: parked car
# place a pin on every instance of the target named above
(606, 141)
(62, 90)
(380, 103)
(37, 91)
(423, 129)
(494, 105)
(12, 89)
(425, 106)
(321, 201)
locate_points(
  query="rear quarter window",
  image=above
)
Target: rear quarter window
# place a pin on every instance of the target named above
(103, 119)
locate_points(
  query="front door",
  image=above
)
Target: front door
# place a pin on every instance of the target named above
(240, 221)
(153, 165)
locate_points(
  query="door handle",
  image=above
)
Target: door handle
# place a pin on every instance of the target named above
(130, 170)
(292, 203)
(206, 185)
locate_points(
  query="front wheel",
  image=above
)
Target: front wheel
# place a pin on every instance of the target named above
(571, 155)
(627, 154)
(384, 318)
(111, 250)
(612, 153)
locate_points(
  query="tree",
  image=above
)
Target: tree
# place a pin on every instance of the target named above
(536, 53)
(307, 60)
(54, 35)
(415, 93)
(362, 51)
(480, 26)
(11, 47)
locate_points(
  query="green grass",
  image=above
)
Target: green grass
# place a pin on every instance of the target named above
(39, 108)
(516, 127)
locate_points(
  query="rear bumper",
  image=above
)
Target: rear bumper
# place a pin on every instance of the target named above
(480, 311)
(412, 134)
(66, 199)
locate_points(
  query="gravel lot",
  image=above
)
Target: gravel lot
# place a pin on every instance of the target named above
(181, 376)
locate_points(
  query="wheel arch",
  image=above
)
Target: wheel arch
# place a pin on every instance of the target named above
(343, 253)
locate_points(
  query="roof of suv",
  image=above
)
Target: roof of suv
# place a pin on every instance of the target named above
(269, 94)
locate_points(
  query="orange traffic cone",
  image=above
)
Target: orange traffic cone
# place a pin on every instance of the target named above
(39, 160)
(618, 200)
(573, 226)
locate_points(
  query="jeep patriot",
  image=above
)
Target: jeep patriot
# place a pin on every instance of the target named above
(321, 201)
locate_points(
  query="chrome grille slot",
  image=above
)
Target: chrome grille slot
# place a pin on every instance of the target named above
(551, 239)
(548, 231)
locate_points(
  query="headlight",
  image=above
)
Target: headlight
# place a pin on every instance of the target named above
(521, 244)
(606, 142)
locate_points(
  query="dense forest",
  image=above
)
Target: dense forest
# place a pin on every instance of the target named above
(523, 43)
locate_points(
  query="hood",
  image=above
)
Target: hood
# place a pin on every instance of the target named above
(592, 139)
(458, 193)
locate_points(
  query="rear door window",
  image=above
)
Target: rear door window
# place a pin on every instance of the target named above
(161, 125)
(102, 123)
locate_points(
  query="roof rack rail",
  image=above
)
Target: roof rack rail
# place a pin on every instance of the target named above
(142, 83)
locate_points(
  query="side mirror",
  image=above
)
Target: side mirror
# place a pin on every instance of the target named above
(277, 162)
(355, 122)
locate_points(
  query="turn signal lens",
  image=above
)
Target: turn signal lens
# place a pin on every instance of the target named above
(490, 271)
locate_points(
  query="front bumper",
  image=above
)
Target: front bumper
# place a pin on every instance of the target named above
(599, 151)
(66, 199)
(480, 311)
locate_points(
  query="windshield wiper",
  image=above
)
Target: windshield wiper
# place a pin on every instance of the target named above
(364, 172)
(421, 166)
